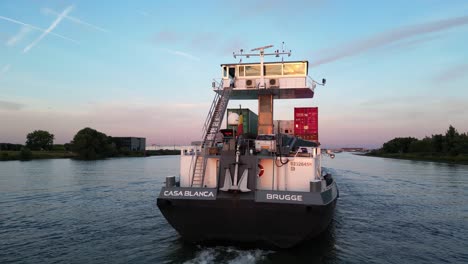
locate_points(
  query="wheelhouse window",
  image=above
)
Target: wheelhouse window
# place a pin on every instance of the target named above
(273, 69)
(269, 69)
(297, 68)
(241, 71)
(252, 70)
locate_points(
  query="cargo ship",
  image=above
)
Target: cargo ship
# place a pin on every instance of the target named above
(254, 187)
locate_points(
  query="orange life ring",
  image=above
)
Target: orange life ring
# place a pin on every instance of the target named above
(260, 170)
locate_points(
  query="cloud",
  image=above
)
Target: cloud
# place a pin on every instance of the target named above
(74, 19)
(48, 30)
(4, 70)
(18, 37)
(391, 37)
(391, 101)
(377, 120)
(159, 123)
(452, 73)
(204, 40)
(412, 115)
(183, 54)
(411, 43)
(5, 105)
(201, 42)
(233, 45)
(270, 7)
(36, 28)
(167, 37)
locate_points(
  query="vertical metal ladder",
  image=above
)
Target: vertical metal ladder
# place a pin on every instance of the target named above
(210, 129)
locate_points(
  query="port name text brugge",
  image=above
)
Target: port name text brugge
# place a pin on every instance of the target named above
(189, 193)
(284, 197)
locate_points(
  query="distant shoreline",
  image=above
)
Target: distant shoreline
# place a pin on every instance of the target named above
(8, 155)
(460, 159)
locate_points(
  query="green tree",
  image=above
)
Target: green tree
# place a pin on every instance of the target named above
(39, 140)
(438, 143)
(25, 154)
(90, 144)
(452, 141)
(398, 145)
(9, 146)
(58, 147)
(420, 146)
(67, 146)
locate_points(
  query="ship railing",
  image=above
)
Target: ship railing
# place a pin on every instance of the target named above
(307, 152)
(311, 83)
(216, 86)
(246, 146)
(318, 170)
(190, 150)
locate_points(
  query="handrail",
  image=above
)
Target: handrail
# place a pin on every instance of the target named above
(311, 82)
(210, 114)
(218, 84)
(212, 108)
(192, 168)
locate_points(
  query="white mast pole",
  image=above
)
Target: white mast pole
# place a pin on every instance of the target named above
(262, 74)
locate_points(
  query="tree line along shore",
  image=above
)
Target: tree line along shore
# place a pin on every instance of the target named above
(87, 144)
(450, 148)
(90, 144)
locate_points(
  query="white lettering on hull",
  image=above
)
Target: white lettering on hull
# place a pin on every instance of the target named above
(189, 193)
(284, 197)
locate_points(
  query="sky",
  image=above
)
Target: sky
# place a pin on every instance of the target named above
(144, 68)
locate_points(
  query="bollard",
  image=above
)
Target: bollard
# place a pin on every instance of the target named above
(170, 181)
(316, 186)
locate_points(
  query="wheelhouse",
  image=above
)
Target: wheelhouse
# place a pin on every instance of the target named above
(285, 80)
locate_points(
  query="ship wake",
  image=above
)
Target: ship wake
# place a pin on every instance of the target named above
(229, 255)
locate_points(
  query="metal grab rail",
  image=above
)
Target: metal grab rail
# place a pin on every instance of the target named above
(212, 107)
(210, 129)
(215, 116)
(311, 83)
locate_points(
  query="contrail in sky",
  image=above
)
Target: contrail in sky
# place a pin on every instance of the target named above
(48, 30)
(76, 20)
(36, 28)
(18, 37)
(390, 37)
(183, 54)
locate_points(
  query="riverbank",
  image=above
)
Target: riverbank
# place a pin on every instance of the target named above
(162, 152)
(435, 157)
(6, 155)
(16, 155)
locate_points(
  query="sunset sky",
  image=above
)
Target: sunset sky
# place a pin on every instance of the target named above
(144, 68)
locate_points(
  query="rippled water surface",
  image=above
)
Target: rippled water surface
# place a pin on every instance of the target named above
(66, 211)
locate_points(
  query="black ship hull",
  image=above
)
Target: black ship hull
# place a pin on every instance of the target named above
(237, 218)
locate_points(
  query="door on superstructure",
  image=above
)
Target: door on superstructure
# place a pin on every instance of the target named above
(232, 76)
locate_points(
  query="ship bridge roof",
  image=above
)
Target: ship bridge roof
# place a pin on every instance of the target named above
(271, 62)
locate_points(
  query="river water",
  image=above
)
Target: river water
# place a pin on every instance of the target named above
(67, 211)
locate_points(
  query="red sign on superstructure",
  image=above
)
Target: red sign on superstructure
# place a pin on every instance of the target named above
(306, 123)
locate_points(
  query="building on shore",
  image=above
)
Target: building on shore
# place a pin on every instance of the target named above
(131, 143)
(163, 147)
(356, 149)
